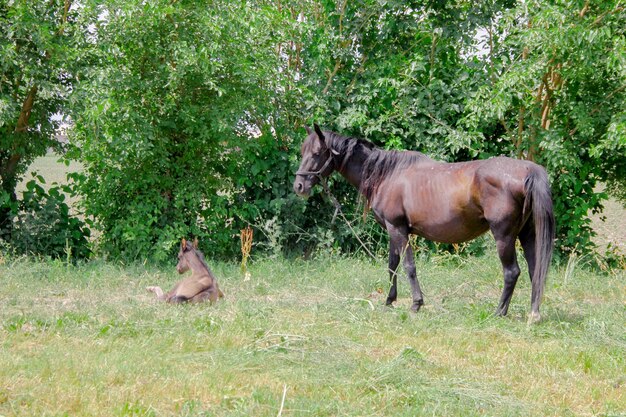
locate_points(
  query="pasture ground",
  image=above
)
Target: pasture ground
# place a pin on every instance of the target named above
(308, 339)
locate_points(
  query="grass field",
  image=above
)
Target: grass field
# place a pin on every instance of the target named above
(308, 339)
(51, 169)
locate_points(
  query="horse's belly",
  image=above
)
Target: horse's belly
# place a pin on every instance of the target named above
(448, 224)
(450, 232)
(441, 207)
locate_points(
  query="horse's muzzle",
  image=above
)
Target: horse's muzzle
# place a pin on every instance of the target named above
(300, 188)
(303, 184)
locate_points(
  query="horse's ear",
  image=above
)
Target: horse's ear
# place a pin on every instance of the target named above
(195, 243)
(308, 130)
(183, 244)
(321, 143)
(319, 132)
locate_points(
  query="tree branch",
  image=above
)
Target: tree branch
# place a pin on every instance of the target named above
(27, 107)
(331, 76)
(506, 127)
(603, 15)
(433, 48)
(66, 9)
(342, 12)
(584, 9)
(520, 131)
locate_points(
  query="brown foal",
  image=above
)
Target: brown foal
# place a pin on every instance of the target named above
(200, 286)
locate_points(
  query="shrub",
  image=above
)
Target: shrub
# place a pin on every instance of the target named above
(44, 225)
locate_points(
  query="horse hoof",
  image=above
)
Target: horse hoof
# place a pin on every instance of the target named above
(416, 306)
(534, 317)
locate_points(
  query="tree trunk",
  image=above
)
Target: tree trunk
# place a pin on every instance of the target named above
(9, 165)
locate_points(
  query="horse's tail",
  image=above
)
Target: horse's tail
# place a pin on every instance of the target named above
(539, 202)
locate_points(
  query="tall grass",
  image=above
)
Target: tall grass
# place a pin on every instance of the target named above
(308, 338)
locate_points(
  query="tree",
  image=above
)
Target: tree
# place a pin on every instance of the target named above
(557, 95)
(34, 83)
(393, 72)
(176, 97)
(537, 80)
(189, 117)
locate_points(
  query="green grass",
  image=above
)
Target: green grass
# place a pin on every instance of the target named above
(308, 339)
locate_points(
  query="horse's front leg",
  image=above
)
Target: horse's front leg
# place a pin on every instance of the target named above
(157, 291)
(394, 261)
(409, 266)
(399, 237)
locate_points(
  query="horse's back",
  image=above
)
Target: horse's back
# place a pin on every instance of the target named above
(505, 172)
(500, 181)
(452, 202)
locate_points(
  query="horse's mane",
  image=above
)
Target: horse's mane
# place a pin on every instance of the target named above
(379, 164)
(345, 146)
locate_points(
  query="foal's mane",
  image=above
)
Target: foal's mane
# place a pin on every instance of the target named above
(189, 247)
(379, 163)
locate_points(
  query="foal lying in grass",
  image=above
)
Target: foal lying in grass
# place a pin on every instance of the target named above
(200, 286)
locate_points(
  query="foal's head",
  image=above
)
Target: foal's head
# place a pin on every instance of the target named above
(317, 162)
(187, 255)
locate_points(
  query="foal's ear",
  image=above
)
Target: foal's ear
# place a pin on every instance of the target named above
(195, 243)
(308, 130)
(183, 244)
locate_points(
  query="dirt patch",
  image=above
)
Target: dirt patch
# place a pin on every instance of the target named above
(610, 226)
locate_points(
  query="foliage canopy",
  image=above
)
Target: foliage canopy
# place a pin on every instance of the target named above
(34, 85)
(188, 117)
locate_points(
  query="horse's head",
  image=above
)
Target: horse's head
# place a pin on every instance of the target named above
(316, 163)
(186, 250)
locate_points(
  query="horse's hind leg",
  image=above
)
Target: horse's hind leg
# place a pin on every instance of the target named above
(210, 295)
(527, 239)
(506, 251)
(177, 299)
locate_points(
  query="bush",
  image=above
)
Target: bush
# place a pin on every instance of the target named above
(43, 224)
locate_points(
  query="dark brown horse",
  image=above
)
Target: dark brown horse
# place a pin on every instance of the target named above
(409, 193)
(200, 286)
